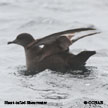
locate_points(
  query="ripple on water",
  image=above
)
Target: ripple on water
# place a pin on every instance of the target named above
(40, 21)
(56, 86)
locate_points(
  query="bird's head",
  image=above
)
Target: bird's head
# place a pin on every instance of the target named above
(22, 39)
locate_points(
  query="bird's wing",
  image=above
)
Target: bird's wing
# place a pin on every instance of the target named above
(64, 41)
(90, 34)
(52, 37)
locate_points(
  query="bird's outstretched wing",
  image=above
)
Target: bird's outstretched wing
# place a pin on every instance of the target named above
(53, 37)
(54, 44)
(90, 34)
(65, 41)
(60, 45)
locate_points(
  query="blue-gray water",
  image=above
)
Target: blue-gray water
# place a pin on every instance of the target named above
(42, 17)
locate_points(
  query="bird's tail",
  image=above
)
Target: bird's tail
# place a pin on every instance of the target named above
(84, 56)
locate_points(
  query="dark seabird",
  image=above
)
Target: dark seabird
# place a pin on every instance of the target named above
(55, 53)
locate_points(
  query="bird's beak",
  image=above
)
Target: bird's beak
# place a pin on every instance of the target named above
(12, 42)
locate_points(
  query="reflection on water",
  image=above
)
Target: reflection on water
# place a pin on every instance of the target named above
(54, 80)
(84, 71)
(76, 86)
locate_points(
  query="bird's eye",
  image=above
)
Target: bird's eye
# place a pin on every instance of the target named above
(20, 38)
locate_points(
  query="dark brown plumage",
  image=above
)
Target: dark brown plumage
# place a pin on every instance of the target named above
(54, 55)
